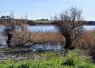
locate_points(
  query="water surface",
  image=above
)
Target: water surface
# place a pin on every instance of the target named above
(48, 28)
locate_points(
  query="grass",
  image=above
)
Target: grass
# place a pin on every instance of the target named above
(43, 21)
(72, 60)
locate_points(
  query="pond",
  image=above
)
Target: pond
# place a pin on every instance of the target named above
(89, 27)
(42, 28)
(47, 28)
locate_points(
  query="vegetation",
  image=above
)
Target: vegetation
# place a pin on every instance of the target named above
(43, 21)
(70, 26)
(16, 30)
(73, 60)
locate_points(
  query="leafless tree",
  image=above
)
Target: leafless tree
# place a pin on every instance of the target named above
(70, 26)
(16, 31)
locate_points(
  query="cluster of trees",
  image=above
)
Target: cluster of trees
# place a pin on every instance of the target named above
(5, 17)
(42, 19)
(70, 27)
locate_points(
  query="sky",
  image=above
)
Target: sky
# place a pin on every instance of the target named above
(37, 9)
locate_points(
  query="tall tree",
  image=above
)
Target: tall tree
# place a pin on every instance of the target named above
(70, 26)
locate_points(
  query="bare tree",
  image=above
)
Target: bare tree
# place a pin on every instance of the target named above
(21, 38)
(70, 26)
(16, 31)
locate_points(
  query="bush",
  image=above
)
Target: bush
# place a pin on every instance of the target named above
(24, 66)
(11, 66)
(87, 43)
(69, 62)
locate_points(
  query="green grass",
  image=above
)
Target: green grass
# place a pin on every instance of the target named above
(49, 21)
(72, 60)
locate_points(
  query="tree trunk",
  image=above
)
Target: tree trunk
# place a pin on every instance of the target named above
(8, 43)
(9, 40)
(68, 45)
(68, 42)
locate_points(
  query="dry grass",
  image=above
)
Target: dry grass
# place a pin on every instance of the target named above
(23, 37)
(87, 43)
(88, 40)
(47, 37)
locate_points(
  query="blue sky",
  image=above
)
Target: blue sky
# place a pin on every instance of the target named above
(36, 9)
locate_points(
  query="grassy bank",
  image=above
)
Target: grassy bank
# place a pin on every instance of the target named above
(53, 60)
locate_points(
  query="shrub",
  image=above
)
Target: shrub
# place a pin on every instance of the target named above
(69, 62)
(24, 66)
(87, 43)
(10, 66)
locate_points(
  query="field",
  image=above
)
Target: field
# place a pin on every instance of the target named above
(43, 21)
(50, 60)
